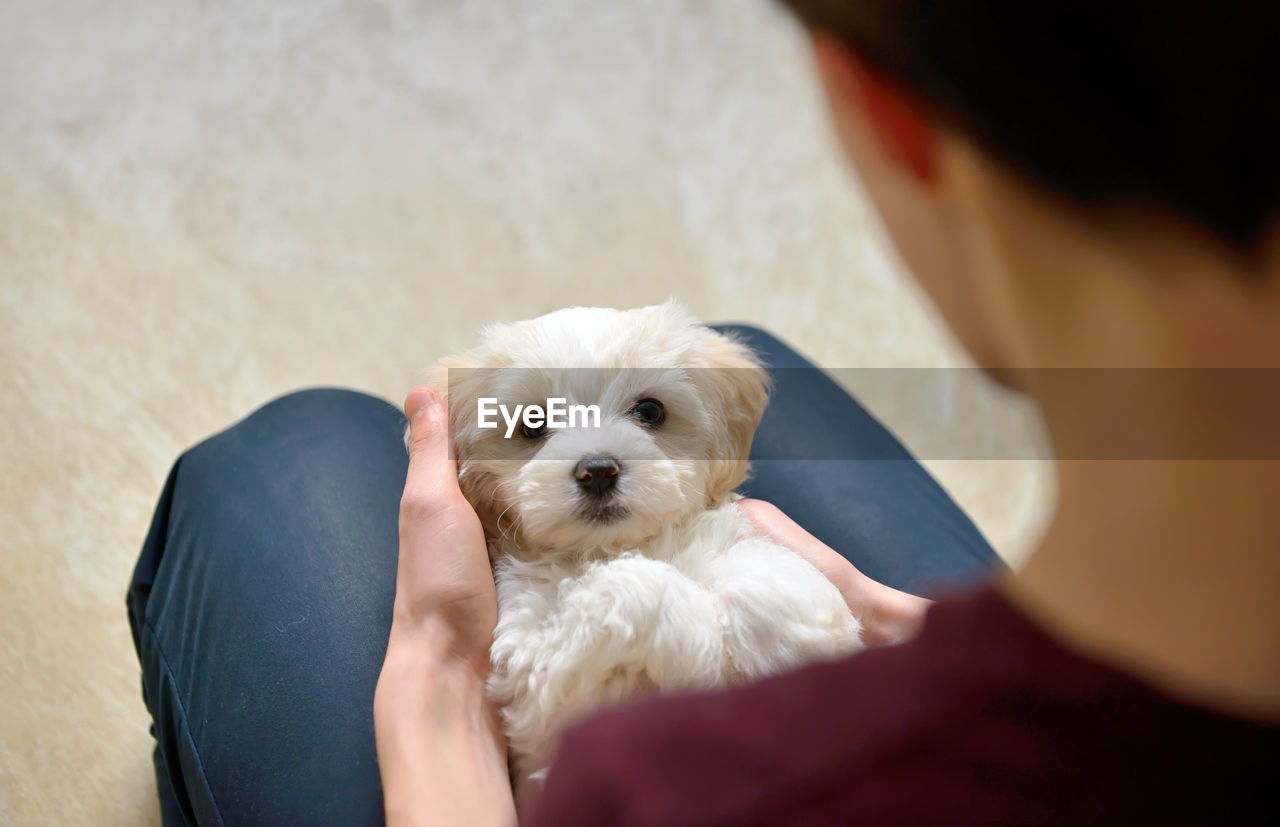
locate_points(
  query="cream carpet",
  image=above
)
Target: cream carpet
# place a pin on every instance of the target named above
(204, 205)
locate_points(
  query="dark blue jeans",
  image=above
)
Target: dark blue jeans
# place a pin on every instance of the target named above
(261, 602)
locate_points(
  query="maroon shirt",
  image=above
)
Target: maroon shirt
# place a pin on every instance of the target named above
(983, 719)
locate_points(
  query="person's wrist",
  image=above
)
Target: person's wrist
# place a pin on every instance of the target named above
(433, 720)
(428, 665)
(440, 633)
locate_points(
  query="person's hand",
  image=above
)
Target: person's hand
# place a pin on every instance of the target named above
(445, 598)
(887, 615)
(440, 747)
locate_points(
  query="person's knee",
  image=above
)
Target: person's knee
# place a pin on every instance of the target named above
(296, 431)
(319, 407)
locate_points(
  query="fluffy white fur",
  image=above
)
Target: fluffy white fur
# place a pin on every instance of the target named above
(660, 585)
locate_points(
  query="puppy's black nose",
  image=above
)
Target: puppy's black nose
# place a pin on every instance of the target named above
(597, 475)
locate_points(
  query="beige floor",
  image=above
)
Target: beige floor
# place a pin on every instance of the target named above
(203, 205)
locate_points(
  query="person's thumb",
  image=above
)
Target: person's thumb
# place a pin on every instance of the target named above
(416, 401)
(430, 448)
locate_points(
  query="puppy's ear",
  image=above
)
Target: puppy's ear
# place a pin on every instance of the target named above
(461, 380)
(736, 388)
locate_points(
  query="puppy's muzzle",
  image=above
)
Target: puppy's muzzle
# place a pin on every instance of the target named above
(597, 476)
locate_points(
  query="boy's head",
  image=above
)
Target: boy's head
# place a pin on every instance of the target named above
(1000, 138)
(1104, 102)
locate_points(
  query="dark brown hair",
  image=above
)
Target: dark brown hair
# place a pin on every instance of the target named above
(1168, 104)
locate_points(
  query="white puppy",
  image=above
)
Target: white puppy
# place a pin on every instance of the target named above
(622, 565)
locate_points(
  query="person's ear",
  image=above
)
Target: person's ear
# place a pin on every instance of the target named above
(902, 131)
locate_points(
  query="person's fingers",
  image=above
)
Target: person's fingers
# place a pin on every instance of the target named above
(770, 521)
(432, 468)
(426, 413)
(415, 400)
(887, 614)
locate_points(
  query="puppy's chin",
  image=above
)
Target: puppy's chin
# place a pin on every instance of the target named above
(605, 512)
(607, 528)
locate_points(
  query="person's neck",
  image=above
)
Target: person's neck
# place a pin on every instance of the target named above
(1169, 570)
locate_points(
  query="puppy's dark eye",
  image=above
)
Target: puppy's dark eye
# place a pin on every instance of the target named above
(649, 411)
(533, 433)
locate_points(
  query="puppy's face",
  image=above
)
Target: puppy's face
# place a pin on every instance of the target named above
(655, 418)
